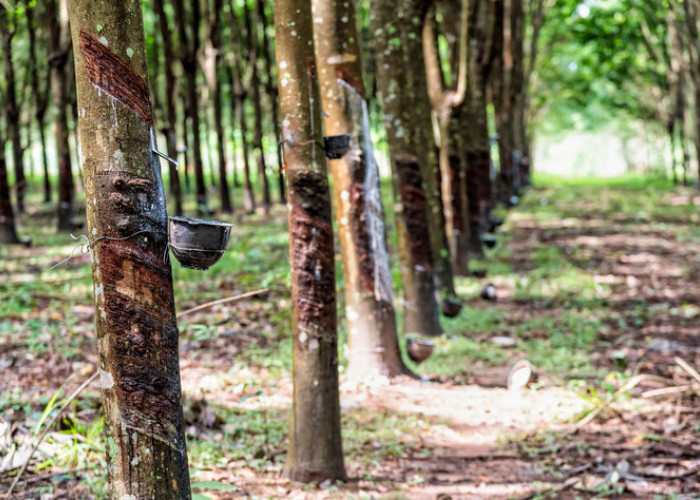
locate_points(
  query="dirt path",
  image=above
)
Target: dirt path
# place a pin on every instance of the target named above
(595, 287)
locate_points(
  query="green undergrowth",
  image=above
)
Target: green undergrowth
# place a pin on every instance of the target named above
(549, 304)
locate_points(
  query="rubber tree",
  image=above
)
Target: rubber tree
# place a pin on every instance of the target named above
(8, 28)
(477, 145)
(59, 59)
(170, 125)
(211, 69)
(315, 448)
(424, 143)
(369, 305)
(40, 91)
(251, 24)
(127, 225)
(240, 82)
(188, 23)
(408, 164)
(271, 90)
(8, 231)
(447, 106)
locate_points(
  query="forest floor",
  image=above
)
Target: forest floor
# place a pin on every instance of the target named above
(598, 287)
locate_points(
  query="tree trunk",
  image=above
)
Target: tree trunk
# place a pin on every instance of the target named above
(425, 146)
(170, 104)
(239, 84)
(39, 96)
(413, 232)
(447, 105)
(8, 232)
(12, 110)
(271, 89)
(477, 145)
(189, 45)
(252, 39)
(502, 99)
(517, 92)
(127, 223)
(213, 50)
(60, 50)
(369, 305)
(315, 447)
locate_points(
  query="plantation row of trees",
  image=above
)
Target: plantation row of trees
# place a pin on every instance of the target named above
(431, 63)
(630, 65)
(254, 96)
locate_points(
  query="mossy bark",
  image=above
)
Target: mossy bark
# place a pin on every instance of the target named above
(408, 162)
(127, 225)
(369, 306)
(424, 141)
(315, 447)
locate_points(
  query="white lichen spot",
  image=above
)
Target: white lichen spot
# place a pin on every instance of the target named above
(344, 19)
(128, 497)
(345, 195)
(302, 337)
(285, 122)
(94, 231)
(130, 52)
(344, 221)
(99, 291)
(82, 113)
(313, 344)
(106, 379)
(316, 382)
(293, 32)
(104, 41)
(284, 82)
(283, 64)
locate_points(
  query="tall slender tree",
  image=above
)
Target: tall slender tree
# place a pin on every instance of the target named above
(374, 349)
(240, 83)
(188, 32)
(408, 161)
(213, 61)
(170, 125)
(447, 106)
(8, 28)
(315, 447)
(39, 93)
(8, 231)
(252, 40)
(59, 59)
(127, 223)
(271, 90)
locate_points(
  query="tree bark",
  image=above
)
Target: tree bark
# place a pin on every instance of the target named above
(315, 447)
(447, 106)
(8, 26)
(271, 89)
(127, 223)
(369, 304)
(8, 231)
(39, 96)
(59, 58)
(252, 39)
(426, 146)
(170, 129)
(390, 24)
(240, 83)
(189, 46)
(213, 61)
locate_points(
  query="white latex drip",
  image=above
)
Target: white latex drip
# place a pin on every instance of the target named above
(372, 195)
